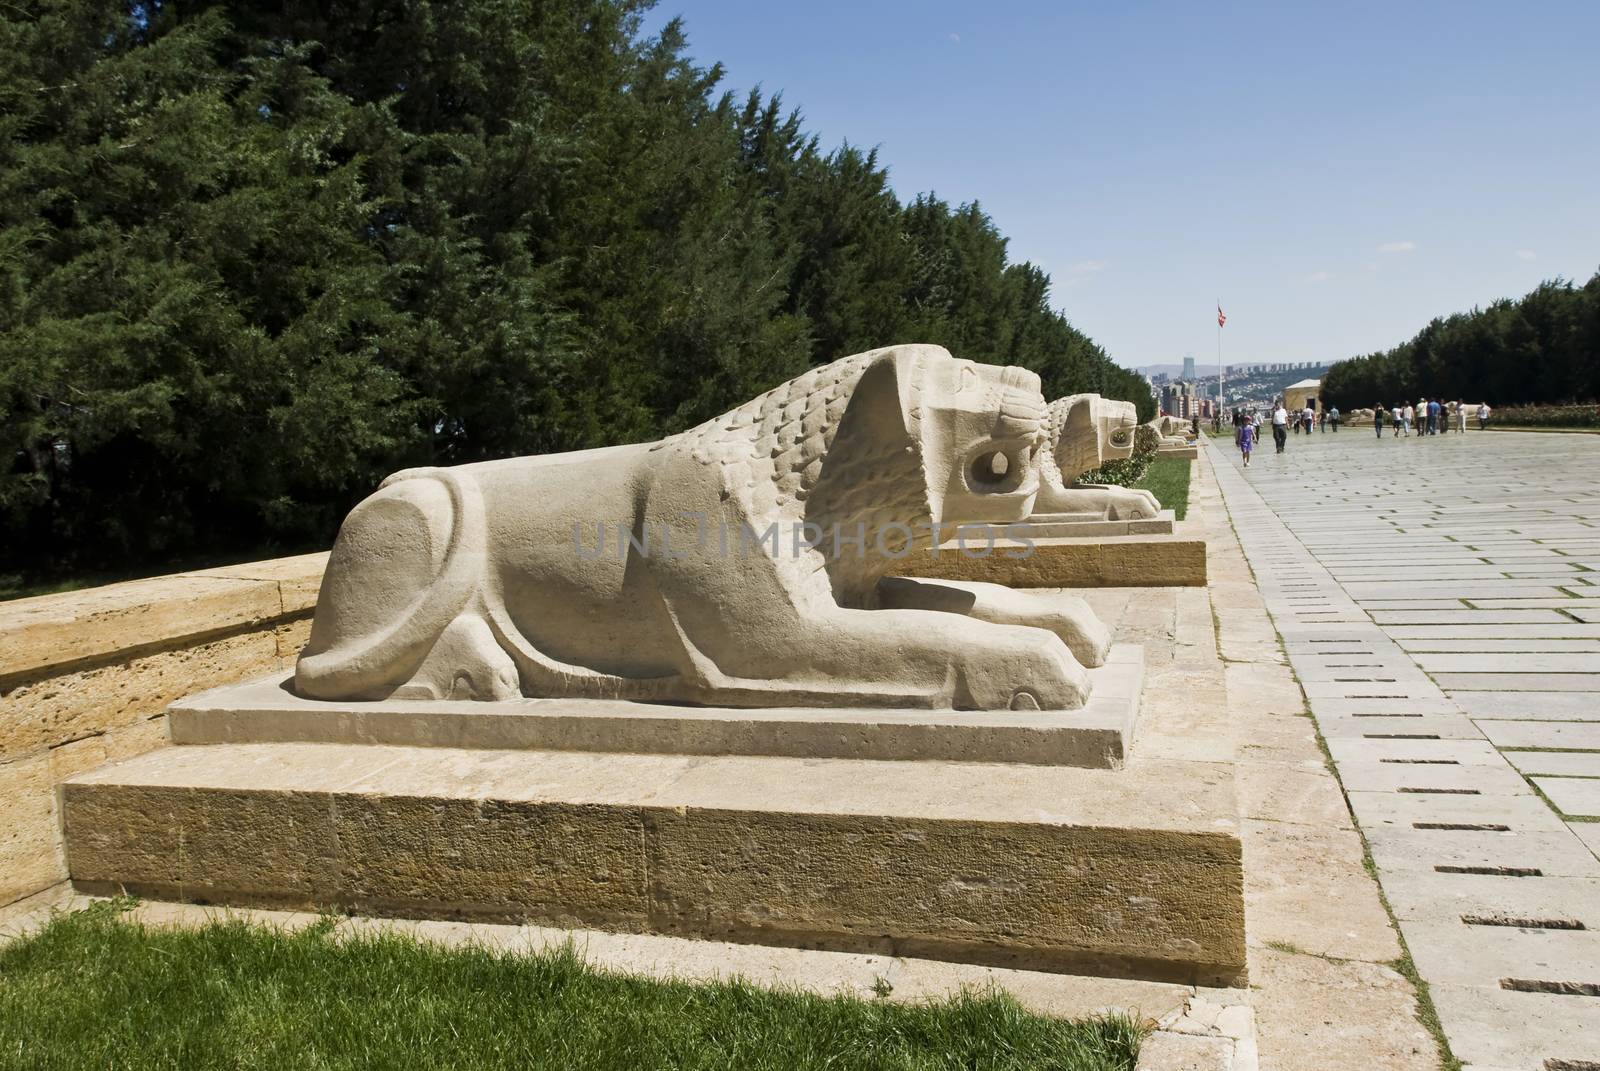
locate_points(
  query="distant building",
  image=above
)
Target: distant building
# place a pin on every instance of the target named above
(1301, 394)
(1188, 368)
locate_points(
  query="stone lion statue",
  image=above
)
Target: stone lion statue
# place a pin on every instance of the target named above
(1083, 432)
(698, 568)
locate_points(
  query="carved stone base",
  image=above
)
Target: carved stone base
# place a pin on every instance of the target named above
(1133, 872)
(1096, 735)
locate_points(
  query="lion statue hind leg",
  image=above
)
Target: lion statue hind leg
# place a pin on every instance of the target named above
(404, 568)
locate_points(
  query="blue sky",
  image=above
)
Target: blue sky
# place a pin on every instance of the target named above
(1336, 173)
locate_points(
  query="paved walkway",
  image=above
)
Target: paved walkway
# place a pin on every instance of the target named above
(1439, 600)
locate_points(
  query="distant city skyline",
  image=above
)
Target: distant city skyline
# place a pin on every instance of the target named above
(1335, 176)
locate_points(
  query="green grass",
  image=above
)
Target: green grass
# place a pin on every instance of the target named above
(94, 989)
(1168, 479)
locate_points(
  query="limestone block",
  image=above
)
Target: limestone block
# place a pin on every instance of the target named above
(266, 711)
(298, 578)
(30, 854)
(1112, 561)
(1134, 872)
(43, 713)
(55, 630)
(1167, 1051)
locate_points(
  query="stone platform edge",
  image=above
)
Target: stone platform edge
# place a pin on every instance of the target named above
(1133, 561)
(1132, 873)
(1097, 735)
(86, 677)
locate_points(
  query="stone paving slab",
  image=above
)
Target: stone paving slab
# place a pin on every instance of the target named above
(1454, 953)
(1414, 752)
(1509, 663)
(1558, 763)
(1434, 896)
(1552, 853)
(1556, 629)
(1373, 776)
(1422, 727)
(1443, 646)
(1465, 616)
(1516, 682)
(1554, 734)
(1519, 813)
(1490, 1026)
(1578, 796)
(1554, 706)
(1589, 833)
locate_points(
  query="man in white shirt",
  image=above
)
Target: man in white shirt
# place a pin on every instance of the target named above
(1406, 418)
(1280, 426)
(1483, 415)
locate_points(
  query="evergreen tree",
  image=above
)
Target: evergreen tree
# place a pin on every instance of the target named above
(255, 257)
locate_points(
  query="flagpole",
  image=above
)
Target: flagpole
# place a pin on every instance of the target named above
(1219, 356)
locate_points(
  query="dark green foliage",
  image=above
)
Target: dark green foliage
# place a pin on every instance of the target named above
(255, 257)
(93, 990)
(1542, 416)
(1543, 348)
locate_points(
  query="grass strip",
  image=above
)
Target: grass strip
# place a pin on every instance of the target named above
(96, 989)
(1168, 479)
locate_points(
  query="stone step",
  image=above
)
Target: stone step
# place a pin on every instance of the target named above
(1131, 873)
(266, 711)
(1057, 526)
(1113, 561)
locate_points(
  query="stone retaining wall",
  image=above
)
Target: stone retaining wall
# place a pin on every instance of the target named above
(86, 677)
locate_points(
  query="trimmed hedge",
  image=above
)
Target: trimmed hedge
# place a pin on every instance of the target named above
(1544, 416)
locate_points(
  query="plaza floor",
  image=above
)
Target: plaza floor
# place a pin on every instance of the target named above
(1439, 600)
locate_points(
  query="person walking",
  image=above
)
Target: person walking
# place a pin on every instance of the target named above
(1434, 411)
(1310, 416)
(1408, 415)
(1483, 415)
(1333, 419)
(1378, 412)
(1461, 417)
(1444, 417)
(1399, 416)
(1247, 442)
(1280, 427)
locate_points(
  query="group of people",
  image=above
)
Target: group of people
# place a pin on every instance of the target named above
(1430, 416)
(1247, 426)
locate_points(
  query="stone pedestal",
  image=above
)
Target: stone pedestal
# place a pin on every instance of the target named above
(1001, 838)
(1097, 735)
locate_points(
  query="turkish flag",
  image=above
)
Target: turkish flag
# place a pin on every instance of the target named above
(1221, 319)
